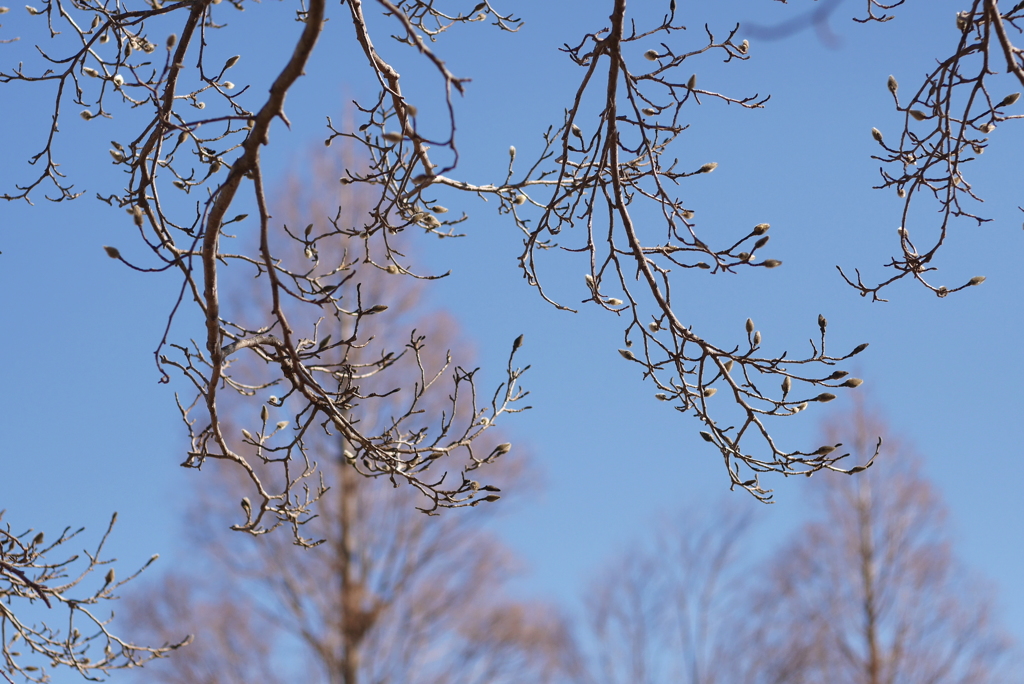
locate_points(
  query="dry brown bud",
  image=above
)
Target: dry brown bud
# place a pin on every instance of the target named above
(502, 449)
(771, 263)
(651, 55)
(692, 83)
(710, 391)
(393, 137)
(918, 114)
(853, 382)
(976, 280)
(825, 397)
(707, 436)
(708, 168)
(750, 325)
(893, 85)
(517, 343)
(859, 348)
(112, 252)
(628, 355)
(232, 61)
(787, 384)
(761, 228)
(876, 134)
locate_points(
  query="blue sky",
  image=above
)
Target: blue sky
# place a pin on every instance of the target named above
(87, 430)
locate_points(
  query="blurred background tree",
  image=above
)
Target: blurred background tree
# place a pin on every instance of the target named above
(867, 591)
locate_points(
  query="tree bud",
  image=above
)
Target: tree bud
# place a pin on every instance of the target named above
(1009, 100)
(893, 85)
(876, 134)
(825, 397)
(761, 228)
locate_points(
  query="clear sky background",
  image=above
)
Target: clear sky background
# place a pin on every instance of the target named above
(86, 429)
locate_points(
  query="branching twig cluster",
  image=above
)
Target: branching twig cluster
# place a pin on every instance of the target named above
(597, 173)
(84, 642)
(946, 124)
(198, 139)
